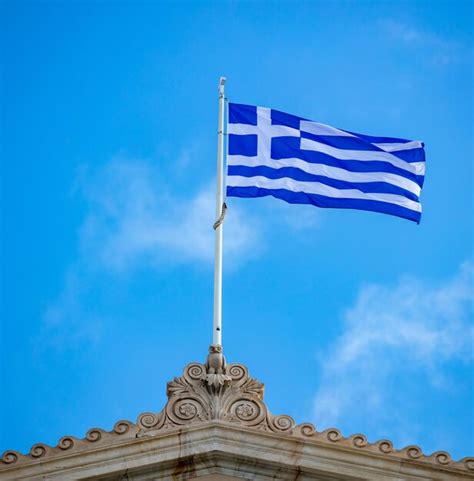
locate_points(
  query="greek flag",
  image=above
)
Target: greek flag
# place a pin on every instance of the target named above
(306, 162)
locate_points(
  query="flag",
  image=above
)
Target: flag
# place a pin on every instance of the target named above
(305, 162)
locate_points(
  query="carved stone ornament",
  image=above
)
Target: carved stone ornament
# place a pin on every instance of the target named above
(216, 391)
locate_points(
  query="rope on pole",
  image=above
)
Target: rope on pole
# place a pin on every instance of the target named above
(221, 218)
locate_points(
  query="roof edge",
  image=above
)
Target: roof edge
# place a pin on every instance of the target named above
(216, 391)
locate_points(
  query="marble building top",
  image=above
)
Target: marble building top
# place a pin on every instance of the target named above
(224, 395)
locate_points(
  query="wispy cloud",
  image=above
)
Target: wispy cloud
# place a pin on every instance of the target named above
(439, 50)
(66, 321)
(408, 33)
(391, 334)
(133, 219)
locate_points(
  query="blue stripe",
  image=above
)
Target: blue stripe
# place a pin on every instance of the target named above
(411, 155)
(326, 202)
(298, 174)
(288, 147)
(281, 118)
(353, 143)
(347, 143)
(378, 140)
(242, 114)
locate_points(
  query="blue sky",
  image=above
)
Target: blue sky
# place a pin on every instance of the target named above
(351, 319)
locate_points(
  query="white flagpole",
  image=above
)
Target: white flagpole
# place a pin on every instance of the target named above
(218, 226)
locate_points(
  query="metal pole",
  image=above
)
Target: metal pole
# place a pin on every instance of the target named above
(217, 331)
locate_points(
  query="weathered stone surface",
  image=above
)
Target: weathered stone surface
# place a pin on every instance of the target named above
(215, 423)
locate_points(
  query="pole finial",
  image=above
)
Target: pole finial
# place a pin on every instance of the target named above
(222, 81)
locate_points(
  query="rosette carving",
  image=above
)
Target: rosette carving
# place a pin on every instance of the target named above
(185, 410)
(250, 412)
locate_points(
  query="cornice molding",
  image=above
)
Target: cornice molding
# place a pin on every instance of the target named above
(214, 391)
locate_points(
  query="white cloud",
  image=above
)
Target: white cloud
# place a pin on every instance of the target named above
(440, 51)
(395, 333)
(134, 219)
(65, 321)
(403, 31)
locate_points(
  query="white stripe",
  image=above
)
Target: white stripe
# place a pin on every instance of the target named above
(272, 130)
(320, 189)
(322, 129)
(417, 168)
(327, 171)
(391, 147)
(241, 129)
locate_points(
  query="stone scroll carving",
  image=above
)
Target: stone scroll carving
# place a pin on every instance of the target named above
(214, 391)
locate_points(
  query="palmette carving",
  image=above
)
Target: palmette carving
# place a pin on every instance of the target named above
(214, 391)
(217, 391)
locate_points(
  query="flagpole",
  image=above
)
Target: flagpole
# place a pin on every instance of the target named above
(218, 226)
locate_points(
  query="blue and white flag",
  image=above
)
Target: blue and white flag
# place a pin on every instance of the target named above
(305, 162)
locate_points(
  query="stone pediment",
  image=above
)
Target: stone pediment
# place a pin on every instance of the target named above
(215, 399)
